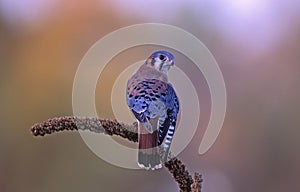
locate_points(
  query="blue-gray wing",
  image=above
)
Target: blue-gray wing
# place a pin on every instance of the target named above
(167, 127)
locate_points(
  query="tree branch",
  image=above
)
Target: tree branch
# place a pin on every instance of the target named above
(111, 127)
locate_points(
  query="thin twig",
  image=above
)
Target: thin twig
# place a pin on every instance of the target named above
(180, 174)
(111, 127)
(196, 186)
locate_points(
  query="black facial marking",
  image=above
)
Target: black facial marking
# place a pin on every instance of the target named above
(152, 61)
(160, 66)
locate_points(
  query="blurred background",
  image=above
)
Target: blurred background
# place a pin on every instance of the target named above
(255, 42)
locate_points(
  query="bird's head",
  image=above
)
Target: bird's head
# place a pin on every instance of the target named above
(161, 61)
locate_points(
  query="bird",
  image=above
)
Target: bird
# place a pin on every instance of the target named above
(154, 103)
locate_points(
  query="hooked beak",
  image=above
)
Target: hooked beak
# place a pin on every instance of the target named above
(170, 62)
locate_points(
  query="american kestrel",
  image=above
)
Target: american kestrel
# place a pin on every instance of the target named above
(154, 103)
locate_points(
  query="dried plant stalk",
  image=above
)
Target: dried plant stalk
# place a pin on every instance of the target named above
(111, 127)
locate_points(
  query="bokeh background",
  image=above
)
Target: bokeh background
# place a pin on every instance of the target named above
(255, 42)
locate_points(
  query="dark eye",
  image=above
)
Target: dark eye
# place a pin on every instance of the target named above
(162, 57)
